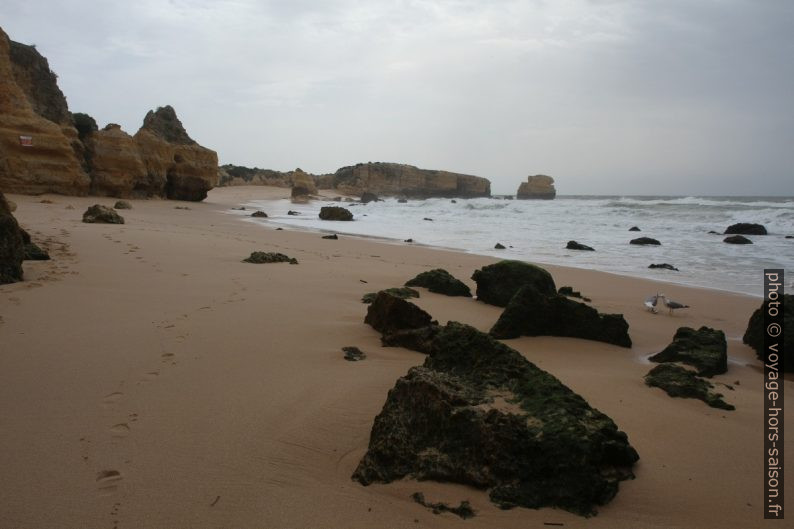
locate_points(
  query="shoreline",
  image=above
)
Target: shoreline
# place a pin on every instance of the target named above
(149, 378)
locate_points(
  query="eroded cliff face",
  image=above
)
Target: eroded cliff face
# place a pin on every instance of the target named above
(537, 186)
(42, 152)
(36, 154)
(399, 179)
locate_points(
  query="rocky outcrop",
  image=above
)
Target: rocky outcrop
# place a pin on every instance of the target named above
(737, 239)
(532, 313)
(645, 241)
(389, 313)
(537, 186)
(478, 413)
(663, 266)
(705, 349)
(745, 228)
(12, 245)
(46, 149)
(238, 175)
(335, 213)
(99, 214)
(302, 185)
(441, 282)
(36, 154)
(573, 245)
(392, 179)
(498, 283)
(678, 381)
(754, 335)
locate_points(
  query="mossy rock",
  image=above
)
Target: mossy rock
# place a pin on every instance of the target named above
(754, 335)
(498, 283)
(441, 282)
(388, 314)
(478, 413)
(532, 313)
(400, 292)
(34, 253)
(335, 213)
(269, 257)
(705, 349)
(102, 215)
(678, 381)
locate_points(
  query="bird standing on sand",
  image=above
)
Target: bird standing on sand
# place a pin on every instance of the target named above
(651, 303)
(670, 304)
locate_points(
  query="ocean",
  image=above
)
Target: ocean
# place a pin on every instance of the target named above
(538, 231)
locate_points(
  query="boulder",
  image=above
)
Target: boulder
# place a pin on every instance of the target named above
(737, 239)
(332, 237)
(441, 282)
(335, 213)
(645, 241)
(754, 335)
(745, 228)
(293, 213)
(499, 246)
(664, 266)
(102, 214)
(533, 313)
(122, 204)
(269, 257)
(571, 293)
(478, 413)
(634, 228)
(678, 381)
(259, 214)
(573, 245)
(402, 201)
(705, 349)
(12, 244)
(35, 253)
(388, 314)
(390, 179)
(400, 292)
(368, 197)
(537, 186)
(497, 283)
(353, 354)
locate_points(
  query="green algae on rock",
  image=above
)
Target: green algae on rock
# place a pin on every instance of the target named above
(400, 292)
(678, 381)
(441, 282)
(269, 257)
(705, 349)
(498, 283)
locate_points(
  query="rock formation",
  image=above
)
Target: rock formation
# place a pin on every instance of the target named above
(441, 282)
(677, 381)
(705, 349)
(573, 245)
(498, 283)
(737, 239)
(532, 313)
(745, 228)
(99, 214)
(390, 179)
(302, 185)
(537, 186)
(269, 257)
(46, 149)
(644, 241)
(12, 245)
(754, 335)
(478, 413)
(335, 213)
(400, 292)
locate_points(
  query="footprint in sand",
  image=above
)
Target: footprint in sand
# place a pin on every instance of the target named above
(149, 377)
(108, 480)
(120, 430)
(112, 398)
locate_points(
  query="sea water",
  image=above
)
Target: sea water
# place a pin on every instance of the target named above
(538, 231)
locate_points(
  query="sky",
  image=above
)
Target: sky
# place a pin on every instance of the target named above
(672, 97)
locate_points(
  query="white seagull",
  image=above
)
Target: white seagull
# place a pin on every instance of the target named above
(651, 303)
(672, 305)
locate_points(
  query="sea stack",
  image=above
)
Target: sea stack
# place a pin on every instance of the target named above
(537, 186)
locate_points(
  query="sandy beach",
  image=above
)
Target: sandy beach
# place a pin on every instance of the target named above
(149, 378)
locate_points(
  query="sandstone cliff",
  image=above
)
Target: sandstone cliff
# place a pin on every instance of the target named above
(42, 152)
(238, 175)
(537, 186)
(400, 179)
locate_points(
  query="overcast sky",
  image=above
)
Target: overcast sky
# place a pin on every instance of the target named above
(607, 96)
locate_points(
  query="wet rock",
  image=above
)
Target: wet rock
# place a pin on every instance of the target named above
(571, 293)
(678, 381)
(34, 253)
(737, 239)
(463, 510)
(259, 214)
(497, 283)
(335, 213)
(402, 201)
(705, 349)
(293, 213)
(102, 214)
(645, 241)
(453, 201)
(712, 232)
(441, 282)
(478, 413)
(664, 266)
(754, 335)
(12, 245)
(408, 240)
(333, 237)
(428, 218)
(269, 257)
(353, 354)
(400, 292)
(789, 236)
(368, 197)
(634, 228)
(499, 246)
(532, 313)
(388, 314)
(745, 228)
(419, 340)
(573, 245)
